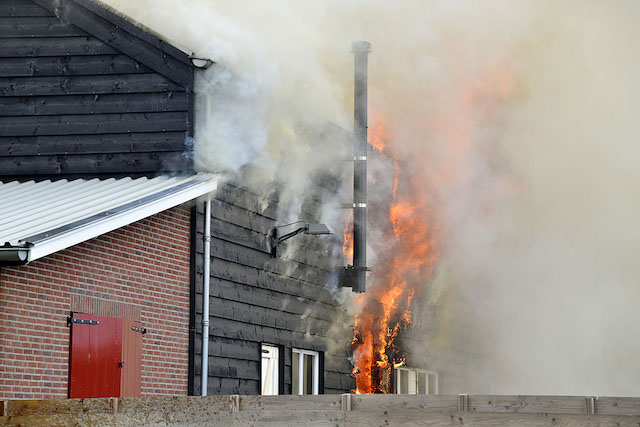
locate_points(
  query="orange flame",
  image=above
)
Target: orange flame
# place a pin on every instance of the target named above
(386, 307)
(387, 310)
(378, 132)
(347, 241)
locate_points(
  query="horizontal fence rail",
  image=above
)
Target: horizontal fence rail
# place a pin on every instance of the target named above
(335, 410)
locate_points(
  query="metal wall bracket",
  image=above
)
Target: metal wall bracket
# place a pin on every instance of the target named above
(348, 276)
(138, 329)
(71, 320)
(352, 205)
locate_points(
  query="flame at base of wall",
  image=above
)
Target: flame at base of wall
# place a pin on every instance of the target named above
(402, 268)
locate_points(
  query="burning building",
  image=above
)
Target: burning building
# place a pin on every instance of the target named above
(89, 94)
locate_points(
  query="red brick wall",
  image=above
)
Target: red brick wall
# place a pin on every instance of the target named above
(140, 272)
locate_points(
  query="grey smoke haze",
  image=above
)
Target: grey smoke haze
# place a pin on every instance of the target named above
(557, 291)
(519, 117)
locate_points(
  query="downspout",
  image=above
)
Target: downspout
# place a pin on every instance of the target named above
(203, 64)
(205, 297)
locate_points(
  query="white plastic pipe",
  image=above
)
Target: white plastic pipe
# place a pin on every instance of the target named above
(205, 297)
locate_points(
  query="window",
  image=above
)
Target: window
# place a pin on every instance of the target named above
(305, 372)
(416, 381)
(269, 369)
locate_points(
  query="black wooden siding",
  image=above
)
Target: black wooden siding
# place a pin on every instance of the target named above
(256, 299)
(89, 94)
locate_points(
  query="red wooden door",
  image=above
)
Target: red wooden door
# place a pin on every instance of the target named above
(131, 378)
(96, 353)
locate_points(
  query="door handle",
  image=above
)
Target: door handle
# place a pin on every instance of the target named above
(120, 366)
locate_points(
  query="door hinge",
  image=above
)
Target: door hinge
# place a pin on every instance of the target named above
(137, 329)
(71, 320)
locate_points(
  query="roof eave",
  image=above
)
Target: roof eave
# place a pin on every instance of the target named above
(48, 246)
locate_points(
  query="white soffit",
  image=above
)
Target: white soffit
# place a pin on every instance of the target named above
(40, 218)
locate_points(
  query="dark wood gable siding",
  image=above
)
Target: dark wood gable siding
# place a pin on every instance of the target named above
(86, 93)
(256, 299)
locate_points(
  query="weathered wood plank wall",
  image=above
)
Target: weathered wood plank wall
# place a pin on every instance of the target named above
(258, 299)
(87, 93)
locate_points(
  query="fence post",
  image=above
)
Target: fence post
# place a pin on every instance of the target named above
(113, 405)
(234, 403)
(463, 402)
(346, 402)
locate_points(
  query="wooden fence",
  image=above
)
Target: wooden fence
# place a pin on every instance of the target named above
(327, 410)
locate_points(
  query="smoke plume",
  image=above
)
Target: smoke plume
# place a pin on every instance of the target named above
(552, 289)
(513, 121)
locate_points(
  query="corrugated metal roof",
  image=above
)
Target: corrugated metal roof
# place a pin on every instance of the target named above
(32, 213)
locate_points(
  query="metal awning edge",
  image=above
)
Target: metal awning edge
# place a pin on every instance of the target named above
(90, 230)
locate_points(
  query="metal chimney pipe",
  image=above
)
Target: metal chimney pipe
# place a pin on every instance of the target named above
(361, 51)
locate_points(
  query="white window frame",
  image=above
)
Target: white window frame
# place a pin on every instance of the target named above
(412, 377)
(269, 365)
(296, 352)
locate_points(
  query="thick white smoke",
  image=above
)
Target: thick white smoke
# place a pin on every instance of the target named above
(519, 120)
(555, 296)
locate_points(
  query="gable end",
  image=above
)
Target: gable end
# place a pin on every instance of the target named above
(73, 104)
(126, 37)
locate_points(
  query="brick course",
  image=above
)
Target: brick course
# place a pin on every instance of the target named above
(140, 272)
